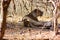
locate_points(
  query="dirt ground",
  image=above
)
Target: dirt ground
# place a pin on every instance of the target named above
(27, 33)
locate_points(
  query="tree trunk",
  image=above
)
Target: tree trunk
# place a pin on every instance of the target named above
(5, 5)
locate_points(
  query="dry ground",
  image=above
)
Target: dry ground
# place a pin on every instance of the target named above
(30, 34)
